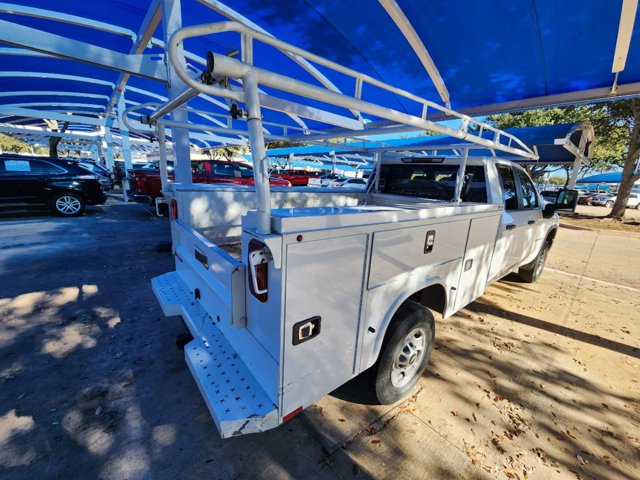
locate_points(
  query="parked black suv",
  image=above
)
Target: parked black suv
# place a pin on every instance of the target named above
(62, 185)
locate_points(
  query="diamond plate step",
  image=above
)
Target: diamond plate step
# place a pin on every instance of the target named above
(175, 298)
(237, 402)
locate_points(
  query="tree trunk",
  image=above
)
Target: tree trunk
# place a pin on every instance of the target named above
(53, 146)
(54, 141)
(626, 184)
(628, 169)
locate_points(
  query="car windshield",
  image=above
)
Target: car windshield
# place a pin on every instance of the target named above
(94, 168)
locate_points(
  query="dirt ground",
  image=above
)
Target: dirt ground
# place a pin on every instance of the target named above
(595, 218)
(531, 381)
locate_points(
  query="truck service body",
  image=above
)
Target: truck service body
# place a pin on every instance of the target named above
(289, 293)
(336, 273)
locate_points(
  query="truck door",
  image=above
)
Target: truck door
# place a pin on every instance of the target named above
(533, 232)
(513, 228)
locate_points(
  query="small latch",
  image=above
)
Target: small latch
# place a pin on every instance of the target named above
(468, 264)
(429, 241)
(306, 330)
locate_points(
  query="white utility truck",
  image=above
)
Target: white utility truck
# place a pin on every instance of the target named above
(322, 285)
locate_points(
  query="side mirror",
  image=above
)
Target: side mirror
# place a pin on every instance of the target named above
(567, 200)
(549, 210)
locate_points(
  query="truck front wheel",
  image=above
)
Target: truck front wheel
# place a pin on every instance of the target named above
(405, 352)
(532, 274)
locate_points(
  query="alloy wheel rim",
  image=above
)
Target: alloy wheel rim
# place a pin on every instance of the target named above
(409, 359)
(540, 263)
(68, 205)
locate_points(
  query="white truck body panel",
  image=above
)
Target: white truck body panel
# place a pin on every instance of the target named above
(340, 266)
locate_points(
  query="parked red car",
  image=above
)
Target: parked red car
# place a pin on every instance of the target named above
(146, 186)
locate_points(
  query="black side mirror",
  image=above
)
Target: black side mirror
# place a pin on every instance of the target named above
(549, 210)
(567, 200)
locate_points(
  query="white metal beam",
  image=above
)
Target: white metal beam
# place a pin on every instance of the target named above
(147, 27)
(171, 22)
(625, 29)
(58, 16)
(584, 96)
(50, 93)
(403, 23)
(56, 76)
(49, 115)
(149, 66)
(66, 105)
(24, 130)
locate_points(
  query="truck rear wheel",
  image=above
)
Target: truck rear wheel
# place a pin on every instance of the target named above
(532, 272)
(405, 352)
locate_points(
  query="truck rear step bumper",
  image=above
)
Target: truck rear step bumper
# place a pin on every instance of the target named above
(237, 402)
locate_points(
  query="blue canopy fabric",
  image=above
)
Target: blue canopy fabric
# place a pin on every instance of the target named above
(611, 177)
(496, 55)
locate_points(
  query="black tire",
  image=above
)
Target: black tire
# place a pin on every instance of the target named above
(638, 206)
(531, 272)
(412, 328)
(609, 204)
(67, 204)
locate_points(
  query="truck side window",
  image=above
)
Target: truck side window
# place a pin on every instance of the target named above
(529, 197)
(508, 187)
(223, 169)
(433, 181)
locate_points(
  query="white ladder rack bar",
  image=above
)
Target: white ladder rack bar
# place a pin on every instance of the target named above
(236, 69)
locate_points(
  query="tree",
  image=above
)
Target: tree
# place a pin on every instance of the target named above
(610, 135)
(627, 114)
(10, 144)
(226, 153)
(54, 141)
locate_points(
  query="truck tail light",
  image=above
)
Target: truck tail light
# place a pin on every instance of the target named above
(258, 269)
(174, 209)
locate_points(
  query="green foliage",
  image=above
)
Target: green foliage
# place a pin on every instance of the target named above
(226, 153)
(10, 144)
(557, 181)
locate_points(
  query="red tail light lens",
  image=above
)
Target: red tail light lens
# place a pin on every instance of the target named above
(174, 209)
(260, 270)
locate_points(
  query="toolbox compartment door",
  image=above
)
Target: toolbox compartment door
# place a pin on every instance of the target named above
(323, 296)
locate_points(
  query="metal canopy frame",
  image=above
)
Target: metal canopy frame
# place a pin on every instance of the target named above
(240, 81)
(222, 69)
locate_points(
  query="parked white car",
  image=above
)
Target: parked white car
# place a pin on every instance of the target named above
(608, 200)
(324, 180)
(604, 200)
(353, 183)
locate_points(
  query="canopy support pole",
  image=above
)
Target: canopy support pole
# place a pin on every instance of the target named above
(258, 153)
(108, 145)
(126, 147)
(171, 22)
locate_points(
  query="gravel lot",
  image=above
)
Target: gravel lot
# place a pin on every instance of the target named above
(531, 381)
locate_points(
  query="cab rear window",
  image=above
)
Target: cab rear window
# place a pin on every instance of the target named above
(435, 182)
